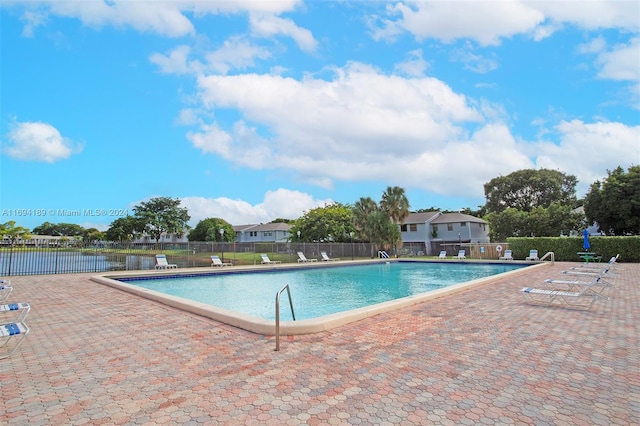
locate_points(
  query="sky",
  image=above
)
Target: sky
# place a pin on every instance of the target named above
(254, 110)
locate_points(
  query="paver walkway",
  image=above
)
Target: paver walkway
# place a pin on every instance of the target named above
(96, 355)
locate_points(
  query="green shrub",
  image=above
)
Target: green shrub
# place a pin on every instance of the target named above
(566, 249)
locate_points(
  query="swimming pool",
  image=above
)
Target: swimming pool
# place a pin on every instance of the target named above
(319, 291)
(300, 326)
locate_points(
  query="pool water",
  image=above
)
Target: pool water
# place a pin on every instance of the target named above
(318, 291)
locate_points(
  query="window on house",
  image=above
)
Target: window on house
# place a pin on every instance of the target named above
(463, 224)
(403, 228)
(413, 227)
(449, 226)
(267, 233)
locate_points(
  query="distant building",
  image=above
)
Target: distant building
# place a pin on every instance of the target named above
(263, 233)
(437, 230)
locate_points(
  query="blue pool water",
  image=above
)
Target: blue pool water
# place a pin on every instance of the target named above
(318, 291)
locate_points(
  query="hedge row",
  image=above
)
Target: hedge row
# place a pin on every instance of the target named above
(566, 248)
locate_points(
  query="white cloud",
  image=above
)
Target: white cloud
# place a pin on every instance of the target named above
(414, 132)
(473, 61)
(361, 126)
(312, 119)
(588, 150)
(592, 14)
(236, 53)
(414, 66)
(622, 62)
(36, 141)
(489, 22)
(177, 61)
(166, 18)
(269, 26)
(281, 203)
(32, 20)
(484, 22)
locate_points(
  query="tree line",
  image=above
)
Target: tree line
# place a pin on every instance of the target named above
(524, 203)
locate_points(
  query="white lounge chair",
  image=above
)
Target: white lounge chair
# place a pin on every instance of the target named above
(595, 267)
(303, 258)
(14, 312)
(267, 261)
(443, 254)
(216, 261)
(5, 289)
(577, 285)
(533, 255)
(508, 255)
(326, 258)
(582, 299)
(11, 331)
(461, 255)
(161, 262)
(606, 271)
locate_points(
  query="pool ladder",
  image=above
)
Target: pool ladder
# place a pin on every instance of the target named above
(286, 287)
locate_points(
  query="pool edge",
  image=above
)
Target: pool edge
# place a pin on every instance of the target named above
(288, 328)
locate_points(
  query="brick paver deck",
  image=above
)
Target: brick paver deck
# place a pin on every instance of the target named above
(96, 355)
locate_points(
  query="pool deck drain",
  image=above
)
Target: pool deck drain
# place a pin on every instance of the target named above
(97, 355)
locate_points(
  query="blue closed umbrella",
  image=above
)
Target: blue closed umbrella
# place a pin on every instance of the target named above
(585, 243)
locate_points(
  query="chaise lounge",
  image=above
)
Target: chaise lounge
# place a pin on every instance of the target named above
(161, 262)
(533, 255)
(9, 332)
(508, 255)
(326, 258)
(19, 311)
(582, 299)
(216, 261)
(303, 258)
(267, 261)
(5, 289)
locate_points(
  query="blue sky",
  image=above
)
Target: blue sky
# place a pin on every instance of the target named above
(256, 110)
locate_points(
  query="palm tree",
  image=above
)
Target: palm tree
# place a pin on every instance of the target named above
(395, 204)
(362, 210)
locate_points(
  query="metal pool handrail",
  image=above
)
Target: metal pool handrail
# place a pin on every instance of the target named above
(286, 287)
(549, 254)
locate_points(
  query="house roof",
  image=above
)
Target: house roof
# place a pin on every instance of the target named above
(279, 226)
(457, 217)
(420, 217)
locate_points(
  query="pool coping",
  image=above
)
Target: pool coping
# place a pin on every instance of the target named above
(289, 328)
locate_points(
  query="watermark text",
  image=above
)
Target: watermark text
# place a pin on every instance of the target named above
(65, 212)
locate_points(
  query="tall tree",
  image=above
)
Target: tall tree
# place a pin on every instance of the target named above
(374, 224)
(332, 222)
(614, 204)
(209, 230)
(92, 235)
(526, 189)
(162, 215)
(383, 232)
(123, 229)
(59, 229)
(362, 209)
(555, 220)
(12, 232)
(395, 204)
